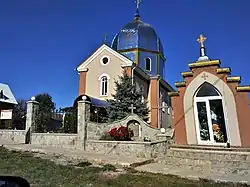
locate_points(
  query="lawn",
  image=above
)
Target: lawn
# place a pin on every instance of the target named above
(41, 172)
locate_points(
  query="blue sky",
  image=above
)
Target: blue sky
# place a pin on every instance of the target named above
(43, 41)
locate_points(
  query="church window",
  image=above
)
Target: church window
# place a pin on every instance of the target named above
(104, 86)
(148, 64)
(105, 60)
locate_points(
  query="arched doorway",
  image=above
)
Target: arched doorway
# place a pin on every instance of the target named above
(210, 116)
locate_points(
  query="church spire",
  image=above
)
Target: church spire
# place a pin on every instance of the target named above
(203, 56)
(137, 14)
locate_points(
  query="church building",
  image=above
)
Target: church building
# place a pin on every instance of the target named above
(209, 107)
(136, 49)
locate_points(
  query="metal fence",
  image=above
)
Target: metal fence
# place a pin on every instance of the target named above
(57, 121)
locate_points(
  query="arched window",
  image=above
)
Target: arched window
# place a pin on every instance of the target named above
(104, 86)
(148, 64)
(207, 90)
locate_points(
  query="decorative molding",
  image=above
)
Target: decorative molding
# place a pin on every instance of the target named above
(243, 88)
(173, 94)
(187, 74)
(104, 75)
(204, 64)
(142, 50)
(223, 70)
(234, 79)
(180, 84)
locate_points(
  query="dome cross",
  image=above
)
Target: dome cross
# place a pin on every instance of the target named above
(138, 2)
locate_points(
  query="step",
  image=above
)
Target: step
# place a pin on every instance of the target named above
(219, 166)
(210, 147)
(209, 154)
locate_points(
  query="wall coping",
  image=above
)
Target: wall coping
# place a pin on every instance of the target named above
(127, 142)
(54, 134)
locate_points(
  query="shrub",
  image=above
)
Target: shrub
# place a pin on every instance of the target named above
(121, 133)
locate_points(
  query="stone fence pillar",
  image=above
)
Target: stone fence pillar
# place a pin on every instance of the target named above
(83, 117)
(32, 107)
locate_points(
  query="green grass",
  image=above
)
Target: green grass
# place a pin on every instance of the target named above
(41, 172)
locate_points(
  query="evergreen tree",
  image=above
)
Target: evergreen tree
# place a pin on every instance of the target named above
(45, 111)
(126, 94)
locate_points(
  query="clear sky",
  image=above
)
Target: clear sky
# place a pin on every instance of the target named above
(43, 41)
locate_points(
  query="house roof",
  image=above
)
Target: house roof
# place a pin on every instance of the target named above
(6, 96)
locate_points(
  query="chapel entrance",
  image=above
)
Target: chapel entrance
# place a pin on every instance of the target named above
(209, 116)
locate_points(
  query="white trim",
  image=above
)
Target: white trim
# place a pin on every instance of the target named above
(101, 60)
(145, 60)
(101, 81)
(104, 75)
(98, 52)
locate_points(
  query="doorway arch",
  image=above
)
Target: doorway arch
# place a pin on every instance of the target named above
(230, 106)
(210, 118)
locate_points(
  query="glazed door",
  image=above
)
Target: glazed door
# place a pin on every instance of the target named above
(210, 121)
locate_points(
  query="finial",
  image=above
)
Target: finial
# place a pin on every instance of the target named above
(203, 56)
(105, 39)
(137, 14)
(201, 40)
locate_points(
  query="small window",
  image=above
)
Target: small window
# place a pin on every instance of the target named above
(104, 86)
(104, 60)
(148, 64)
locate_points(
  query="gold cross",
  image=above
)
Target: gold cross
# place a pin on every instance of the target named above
(201, 40)
(204, 76)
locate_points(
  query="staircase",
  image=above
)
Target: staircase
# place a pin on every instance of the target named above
(207, 159)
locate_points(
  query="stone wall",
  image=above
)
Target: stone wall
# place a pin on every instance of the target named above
(55, 139)
(140, 128)
(128, 148)
(15, 136)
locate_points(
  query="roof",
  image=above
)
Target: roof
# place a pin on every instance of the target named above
(94, 101)
(137, 34)
(6, 96)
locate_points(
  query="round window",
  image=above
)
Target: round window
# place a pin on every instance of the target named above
(105, 60)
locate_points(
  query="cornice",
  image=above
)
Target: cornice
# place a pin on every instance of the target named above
(243, 88)
(173, 94)
(234, 79)
(204, 64)
(180, 84)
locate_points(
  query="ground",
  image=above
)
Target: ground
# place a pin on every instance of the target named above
(45, 172)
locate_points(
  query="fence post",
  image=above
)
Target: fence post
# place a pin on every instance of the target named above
(83, 117)
(32, 107)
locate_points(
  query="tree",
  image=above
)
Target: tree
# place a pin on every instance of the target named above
(45, 111)
(19, 114)
(125, 95)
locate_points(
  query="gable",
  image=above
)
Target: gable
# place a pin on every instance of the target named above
(85, 64)
(6, 95)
